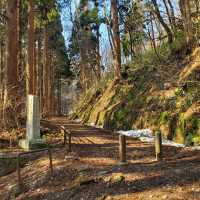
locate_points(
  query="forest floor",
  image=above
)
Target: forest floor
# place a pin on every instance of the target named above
(91, 171)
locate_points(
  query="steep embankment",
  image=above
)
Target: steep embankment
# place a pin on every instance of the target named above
(164, 96)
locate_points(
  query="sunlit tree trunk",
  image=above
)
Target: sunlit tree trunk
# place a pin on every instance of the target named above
(98, 56)
(186, 15)
(116, 39)
(98, 47)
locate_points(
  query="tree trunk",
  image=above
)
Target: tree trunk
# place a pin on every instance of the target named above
(168, 13)
(59, 103)
(50, 86)
(12, 49)
(131, 45)
(173, 19)
(52, 95)
(186, 15)
(152, 38)
(1, 77)
(165, 26)
(39, 69)
(12, 45)
(46, 75)
(31, 50)
(1, 65)
(116, 42)
(98, 56)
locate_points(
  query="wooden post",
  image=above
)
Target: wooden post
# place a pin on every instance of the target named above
(70, 140)
(158, 145)
(122, 148)
(50, 161)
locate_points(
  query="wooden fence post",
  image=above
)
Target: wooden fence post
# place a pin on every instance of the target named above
(122, 148)
(158, 145)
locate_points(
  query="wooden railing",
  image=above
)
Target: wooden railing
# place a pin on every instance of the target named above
(19, 155)
(122, 147)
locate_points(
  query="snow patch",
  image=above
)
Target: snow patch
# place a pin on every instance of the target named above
(137, 133)
(146, 135)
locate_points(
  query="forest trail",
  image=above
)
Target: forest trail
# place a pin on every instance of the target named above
(91, 170)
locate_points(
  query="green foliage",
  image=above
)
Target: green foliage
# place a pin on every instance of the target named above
(125, 45)
(179, 92)
(196, 140)
(164, 117)
(122, 113)
(130, 96)
(47, 12)
(84, 42)
(150, 57)
(189, 130)
(52, 14)
(131, 16)
(163, 51)
(179, 40)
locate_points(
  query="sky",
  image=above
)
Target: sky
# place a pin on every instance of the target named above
(67, 25)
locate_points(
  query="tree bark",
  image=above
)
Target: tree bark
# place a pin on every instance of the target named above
(31, 50)
(2, 78)
(46, 75)
(172, 14)
(98, 56)
(1, 64)
(12, 49)
(168, 13)
(116, 41)
(12, 45)
(152, 38)
(186, 15)
(165, 26)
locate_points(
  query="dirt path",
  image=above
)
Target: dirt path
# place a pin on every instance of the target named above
(91, 171)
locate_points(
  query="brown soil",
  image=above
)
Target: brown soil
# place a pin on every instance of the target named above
(91, 171)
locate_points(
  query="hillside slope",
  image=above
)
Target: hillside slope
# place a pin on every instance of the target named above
(163, 96)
